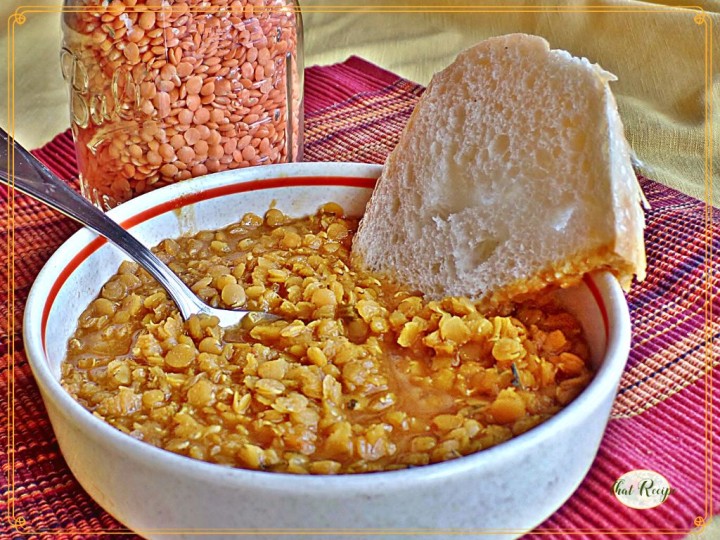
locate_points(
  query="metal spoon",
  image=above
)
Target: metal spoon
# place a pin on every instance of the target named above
(31, 177)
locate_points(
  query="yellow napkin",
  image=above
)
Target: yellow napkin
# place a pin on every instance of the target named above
(657, 51)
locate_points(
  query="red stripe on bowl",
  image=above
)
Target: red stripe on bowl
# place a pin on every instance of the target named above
(254, 185)
(592, 286)
(185, 200)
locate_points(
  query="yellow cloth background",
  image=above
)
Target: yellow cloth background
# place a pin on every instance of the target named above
(656, 50)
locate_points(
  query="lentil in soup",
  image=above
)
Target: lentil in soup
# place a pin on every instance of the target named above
(360, 375)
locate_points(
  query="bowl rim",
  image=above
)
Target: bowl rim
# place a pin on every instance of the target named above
(603, 286)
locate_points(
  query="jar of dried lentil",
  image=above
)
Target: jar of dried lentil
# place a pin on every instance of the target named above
(166, 90)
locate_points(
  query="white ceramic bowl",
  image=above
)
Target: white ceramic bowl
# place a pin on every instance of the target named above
(507, 489)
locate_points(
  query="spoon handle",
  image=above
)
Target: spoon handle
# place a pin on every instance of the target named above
(33, 178)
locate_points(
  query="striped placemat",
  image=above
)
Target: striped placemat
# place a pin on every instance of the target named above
(355, 112)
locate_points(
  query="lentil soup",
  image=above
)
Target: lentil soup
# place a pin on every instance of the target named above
(360, 375)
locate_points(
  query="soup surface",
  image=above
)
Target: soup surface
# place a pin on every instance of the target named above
(360, 375)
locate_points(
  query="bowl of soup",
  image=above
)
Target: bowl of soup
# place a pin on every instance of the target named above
(364, 407)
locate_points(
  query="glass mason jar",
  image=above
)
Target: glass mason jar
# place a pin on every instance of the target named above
(166, 90)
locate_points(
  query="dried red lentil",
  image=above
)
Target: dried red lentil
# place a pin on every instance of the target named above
(362, 375)
(166, 90)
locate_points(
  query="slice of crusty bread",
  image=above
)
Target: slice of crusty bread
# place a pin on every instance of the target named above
(512, 174)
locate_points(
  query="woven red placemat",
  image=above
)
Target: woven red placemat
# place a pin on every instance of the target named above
(354, 112)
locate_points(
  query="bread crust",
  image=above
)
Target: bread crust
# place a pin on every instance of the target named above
(433, 221)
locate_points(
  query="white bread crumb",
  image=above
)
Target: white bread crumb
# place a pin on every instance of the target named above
(512, 174)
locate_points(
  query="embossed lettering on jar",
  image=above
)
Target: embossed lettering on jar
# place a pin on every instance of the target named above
(166, 90)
